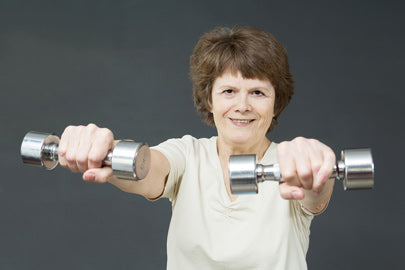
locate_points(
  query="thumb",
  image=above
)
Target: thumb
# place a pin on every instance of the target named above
(288, 192)
(98, 175)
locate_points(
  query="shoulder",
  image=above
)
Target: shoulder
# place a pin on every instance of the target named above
(188, 139)
(185, 144)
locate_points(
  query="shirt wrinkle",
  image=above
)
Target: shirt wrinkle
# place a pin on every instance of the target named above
(209, 231)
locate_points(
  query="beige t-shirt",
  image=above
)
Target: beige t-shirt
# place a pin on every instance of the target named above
(208, 231)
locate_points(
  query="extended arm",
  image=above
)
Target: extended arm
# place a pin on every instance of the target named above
(83, 149)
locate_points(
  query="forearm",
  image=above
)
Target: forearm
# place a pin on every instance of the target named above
(316, 203)
(153, 185)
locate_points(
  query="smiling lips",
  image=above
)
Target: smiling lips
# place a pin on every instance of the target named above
(241, 122)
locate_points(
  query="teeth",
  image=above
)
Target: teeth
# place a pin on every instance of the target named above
(241, 121)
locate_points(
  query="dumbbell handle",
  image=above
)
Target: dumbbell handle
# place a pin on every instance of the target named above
(355, 169)
(129, 160)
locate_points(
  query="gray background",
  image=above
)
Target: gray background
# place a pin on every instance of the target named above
(124, 65)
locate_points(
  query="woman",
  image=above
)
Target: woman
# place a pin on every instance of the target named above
(241, 82)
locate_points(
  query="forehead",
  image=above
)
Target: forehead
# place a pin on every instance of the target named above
(236, 79)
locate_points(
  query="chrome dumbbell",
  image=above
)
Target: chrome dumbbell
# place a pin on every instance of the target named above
(129, 160)
(355, 169)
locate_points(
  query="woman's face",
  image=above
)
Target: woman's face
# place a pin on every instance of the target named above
(242, 108)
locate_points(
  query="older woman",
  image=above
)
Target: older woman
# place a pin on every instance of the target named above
(241, 82)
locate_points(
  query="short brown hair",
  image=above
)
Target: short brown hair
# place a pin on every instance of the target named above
(253, 52)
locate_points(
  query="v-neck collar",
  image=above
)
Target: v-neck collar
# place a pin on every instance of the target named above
(223, 192)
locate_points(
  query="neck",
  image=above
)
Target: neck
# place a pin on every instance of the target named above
(226, 149)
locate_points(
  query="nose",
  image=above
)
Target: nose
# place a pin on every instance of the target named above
(243, 104)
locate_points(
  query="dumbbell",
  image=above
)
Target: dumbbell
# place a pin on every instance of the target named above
(129, 160)
(355, 170)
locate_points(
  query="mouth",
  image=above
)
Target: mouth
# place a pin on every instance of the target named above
(241, 122)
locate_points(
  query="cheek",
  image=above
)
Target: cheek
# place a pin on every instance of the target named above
(267, 110)
(220, 107)
(216, 113)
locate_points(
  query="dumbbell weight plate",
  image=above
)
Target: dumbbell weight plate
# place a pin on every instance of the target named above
(359, 169)
(32, 152)
(242, 172)
(130, 160)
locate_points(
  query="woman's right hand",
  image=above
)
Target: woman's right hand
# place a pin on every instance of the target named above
(83, 149)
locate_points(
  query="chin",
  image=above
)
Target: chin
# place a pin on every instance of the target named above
(241, 138)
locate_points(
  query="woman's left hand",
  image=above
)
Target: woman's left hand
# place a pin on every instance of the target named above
(304, 164)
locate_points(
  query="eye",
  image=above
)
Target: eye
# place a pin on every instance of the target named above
(258, 93)
(228, 91)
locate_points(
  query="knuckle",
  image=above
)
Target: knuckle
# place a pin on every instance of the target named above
(285, 144)
(94, 159)
(79, 129)
(305, 175)
(282, 149)
(82, 160)
(282, 144)
(63, 163)
(71, 158)
(316, 166)
(314, 141)
(299, 139)
(307, 185)
(92, 127)
(288, 175)
(74, 169)
(61, 150)
(106, 132)
(106, 135)
(67, 131)
(306, 182)
(330, 155)
(69, 128)
(297, 143)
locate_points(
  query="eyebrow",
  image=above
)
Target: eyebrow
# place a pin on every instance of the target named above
(262, 88)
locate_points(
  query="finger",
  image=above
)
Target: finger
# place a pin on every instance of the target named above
(304, 169)
(64, 148)
(316, 154)
(309, 161)
(63, 145)
(288, 192)
(98, 175)
(287, 165)
(103, 142)
(83, 149)
(74, 139)
(329, 160)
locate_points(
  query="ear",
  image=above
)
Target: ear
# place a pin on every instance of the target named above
(209, 104)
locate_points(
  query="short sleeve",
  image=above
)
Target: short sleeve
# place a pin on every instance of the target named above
(302, 222)
(175, 150)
